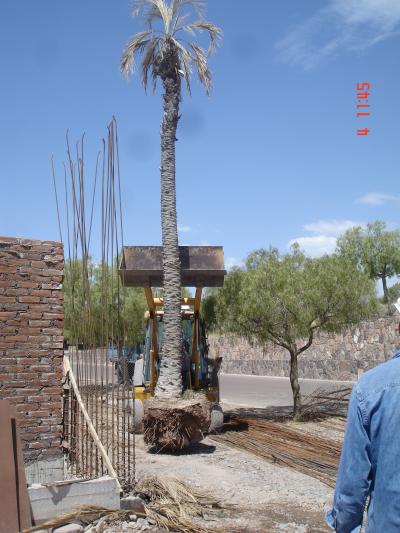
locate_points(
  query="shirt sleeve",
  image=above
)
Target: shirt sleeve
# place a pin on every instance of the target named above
(353, 478)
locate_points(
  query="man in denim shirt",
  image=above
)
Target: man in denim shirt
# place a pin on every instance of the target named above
(370, 461)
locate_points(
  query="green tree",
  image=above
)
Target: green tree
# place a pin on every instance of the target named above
(108, 308)
(208, 308)
(167, 56)
(394, 293)
(373, 249)
(285, 299)
(132, 315)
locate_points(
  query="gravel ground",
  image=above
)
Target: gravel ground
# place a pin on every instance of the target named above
(232, 475)
(269, 498)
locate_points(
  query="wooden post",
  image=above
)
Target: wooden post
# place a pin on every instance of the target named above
(15, 514)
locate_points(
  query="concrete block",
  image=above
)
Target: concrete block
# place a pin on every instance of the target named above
(69, 528)
(55, 499)
(133, 503)
(45, 470)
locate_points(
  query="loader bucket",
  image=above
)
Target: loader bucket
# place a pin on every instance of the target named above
(201, 266)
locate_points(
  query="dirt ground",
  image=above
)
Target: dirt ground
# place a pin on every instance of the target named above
(270, 498)
(266, 497)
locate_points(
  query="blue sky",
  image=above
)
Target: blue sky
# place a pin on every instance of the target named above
(270, 157)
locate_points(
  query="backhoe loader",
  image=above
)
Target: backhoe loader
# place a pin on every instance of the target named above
(201, 266)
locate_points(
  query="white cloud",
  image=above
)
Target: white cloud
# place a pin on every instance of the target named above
(326, 234)
(331, 227)
(377, 198)
(342, 25)
(231, 262)
(184, 229)
(315, 246)
(380, 13)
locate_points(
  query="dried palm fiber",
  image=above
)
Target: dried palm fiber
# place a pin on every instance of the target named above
(173, 504)
(86, 514)
(170, 425)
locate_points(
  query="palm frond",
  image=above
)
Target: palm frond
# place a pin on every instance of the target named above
(179, 23)
(137, 6)
(186, 71)
(197, 5)
(149, 60)
(134, 46)
(202, 68)
(153, 9)
(186, 60)
(215, 34)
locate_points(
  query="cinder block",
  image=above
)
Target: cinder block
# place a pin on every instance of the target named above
(45, 470)
(55, 499)
(133, 503)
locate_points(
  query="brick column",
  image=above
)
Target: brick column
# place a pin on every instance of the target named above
(31, 341)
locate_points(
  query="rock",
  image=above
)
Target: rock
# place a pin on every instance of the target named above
(142, 522)
(217, 418)
(69, 528)
(133, 503)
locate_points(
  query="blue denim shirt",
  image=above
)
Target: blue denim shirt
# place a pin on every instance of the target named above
(370, 460)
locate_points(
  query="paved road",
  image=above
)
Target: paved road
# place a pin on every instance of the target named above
(265, 391)
(93, 365)
(241, 390)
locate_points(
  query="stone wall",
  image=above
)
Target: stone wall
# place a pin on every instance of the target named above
(332, 356)
(31, 341)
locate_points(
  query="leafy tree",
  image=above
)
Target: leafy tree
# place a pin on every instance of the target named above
(168, 57)
(393, 293)
(208, 308)
(132, 314)
(258, 257)
(375, 250)
(108, 309)
(286, 298)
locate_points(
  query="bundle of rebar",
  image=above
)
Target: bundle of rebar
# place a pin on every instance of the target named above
(325, 403)
(279, 443)
(98, 408)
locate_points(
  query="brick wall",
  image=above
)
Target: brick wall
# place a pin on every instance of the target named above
(31, 340)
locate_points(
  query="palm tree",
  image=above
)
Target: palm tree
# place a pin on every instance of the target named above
(165, 54)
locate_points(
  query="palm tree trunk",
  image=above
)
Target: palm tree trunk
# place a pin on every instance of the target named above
(169, 384)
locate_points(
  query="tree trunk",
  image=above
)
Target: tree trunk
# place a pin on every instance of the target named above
(385, 289)
(294, 382)
(169, 384)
